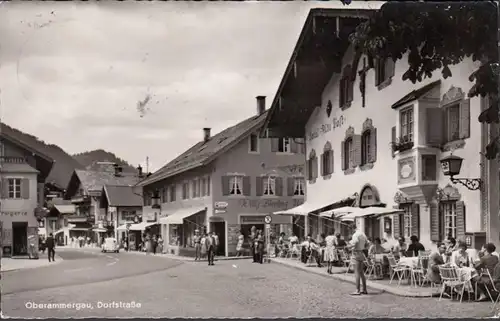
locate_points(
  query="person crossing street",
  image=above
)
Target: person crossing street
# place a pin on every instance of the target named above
(51, 247)
(358, 244)
(210, 244)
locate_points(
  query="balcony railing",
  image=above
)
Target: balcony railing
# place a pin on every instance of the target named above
(402, 143)
(12, 160)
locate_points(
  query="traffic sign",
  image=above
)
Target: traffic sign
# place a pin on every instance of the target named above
(268, 219)
(268, 226)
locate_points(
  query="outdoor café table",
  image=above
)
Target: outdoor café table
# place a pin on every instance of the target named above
(409, 261)
(466, 274)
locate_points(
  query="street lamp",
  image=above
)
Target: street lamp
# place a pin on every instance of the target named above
(451, 166)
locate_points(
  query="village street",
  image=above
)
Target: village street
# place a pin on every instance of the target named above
(162, 287)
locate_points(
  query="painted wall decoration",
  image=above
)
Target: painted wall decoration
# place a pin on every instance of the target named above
(369, 196)
(325, 128)
(406, 170)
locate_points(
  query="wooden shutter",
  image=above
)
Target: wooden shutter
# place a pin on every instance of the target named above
(225, 185)
(290, 184)
(350, 90)
(396, 222)
(434, 222)
(356, 141)
(25, 188)
(5, 188)
(315, 167)
(330, 160)
(279, 186)
(434, 127)
(258, 186)
(293, 146)
(460, 211)
(465, 119)
(309, 169)
(390, 67)
(322, 164)
(341, 92)
(377, 80)
(373, 146)
(342, 155)
(274, 144)
(393, 138)
(247, 186)
(415, 220)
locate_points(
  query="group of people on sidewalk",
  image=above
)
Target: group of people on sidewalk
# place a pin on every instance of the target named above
(152, 244)
(205, 245)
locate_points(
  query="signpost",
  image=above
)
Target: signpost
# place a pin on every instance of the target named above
(268, 219)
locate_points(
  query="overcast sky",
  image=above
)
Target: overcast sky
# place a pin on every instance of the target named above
(73, 73)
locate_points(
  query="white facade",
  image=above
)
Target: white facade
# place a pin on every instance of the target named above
(397, 172)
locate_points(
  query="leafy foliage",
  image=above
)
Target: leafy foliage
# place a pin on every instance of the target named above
(437, 35)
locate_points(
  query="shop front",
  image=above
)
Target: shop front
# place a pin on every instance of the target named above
(178, 229)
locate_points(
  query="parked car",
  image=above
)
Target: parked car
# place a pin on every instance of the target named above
(110, 245)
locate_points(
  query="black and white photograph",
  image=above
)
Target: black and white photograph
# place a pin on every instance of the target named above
(249, 159)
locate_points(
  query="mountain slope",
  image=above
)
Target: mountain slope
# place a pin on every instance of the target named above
(64, 164)
(88, 159)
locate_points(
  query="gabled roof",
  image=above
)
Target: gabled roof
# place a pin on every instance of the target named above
(203, 153)
(122, 196)
(95, 181)
(416, 94)
(63, 164)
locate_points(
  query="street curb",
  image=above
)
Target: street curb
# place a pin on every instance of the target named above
(191, 259)
(377, 286)
(58, 261)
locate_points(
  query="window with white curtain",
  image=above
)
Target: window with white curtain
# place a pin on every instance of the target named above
(236, 185)
(269, 185)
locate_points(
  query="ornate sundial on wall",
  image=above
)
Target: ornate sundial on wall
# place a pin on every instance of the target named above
(329, 108)
(407, 169)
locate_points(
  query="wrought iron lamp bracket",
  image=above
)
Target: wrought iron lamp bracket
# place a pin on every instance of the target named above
(472, 184)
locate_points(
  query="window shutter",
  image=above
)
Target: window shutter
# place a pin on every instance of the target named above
(396, 232)
(322, 164)
(309, 169)
(330, 152)
(373, 145)
(279, 186)
(290, 184)
(434, 222)
(341, 92)
(293, 146)
(465, 119)
(5, 188)
(390, 67)
(274, 144)
(434, 126)
(315, 167)
(350, 90)
(415, 220)
(247, 186)
(302, 146)
(25, 188)
(393, 139)
(460, 211)
(377, 80)
(258, 186)
(342, 155)
(225, 185)
(356, 141)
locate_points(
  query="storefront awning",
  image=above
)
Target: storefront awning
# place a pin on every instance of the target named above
(141, 226)
(367, 211)
(79, 229)
(339, 211)
(66, 209)
(303, 209)
(122, 227)
(181, 214)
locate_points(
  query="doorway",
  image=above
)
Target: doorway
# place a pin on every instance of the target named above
(20, 238)
(219, 228)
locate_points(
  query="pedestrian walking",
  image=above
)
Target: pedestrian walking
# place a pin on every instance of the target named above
(258, 254)
(154, 244)
(329, 254)
(197, 245)
(203, 246)
(147, 244)
(358, 244)
(239, 246)
(210, 244)
(51, 247)
(160, 244)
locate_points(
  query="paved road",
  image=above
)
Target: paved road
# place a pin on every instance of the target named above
(161, 287)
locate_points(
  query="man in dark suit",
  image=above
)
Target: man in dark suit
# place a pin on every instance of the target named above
(210, 244)
(51, 247)
(259, 249)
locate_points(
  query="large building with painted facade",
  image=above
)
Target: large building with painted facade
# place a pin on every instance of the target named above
(374, 137)
(227, 183)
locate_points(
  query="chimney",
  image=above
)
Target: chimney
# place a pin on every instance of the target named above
(261, 105)
(139, 170)
(206, 134)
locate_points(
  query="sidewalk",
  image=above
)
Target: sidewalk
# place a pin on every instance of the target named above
(339, 273)
(187, 258)
(9, 264)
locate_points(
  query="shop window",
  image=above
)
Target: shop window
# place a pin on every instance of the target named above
(299, 186)
(269, 187)
(185, 190)
(406, 125)
(449, 212)
(236, 185)
(14, 188)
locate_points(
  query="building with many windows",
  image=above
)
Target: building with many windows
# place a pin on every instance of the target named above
(227, 183)
(377, 139)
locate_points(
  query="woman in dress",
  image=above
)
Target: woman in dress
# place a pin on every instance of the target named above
(329, 254)
(203, 248)
(239, 246)
(460, 257)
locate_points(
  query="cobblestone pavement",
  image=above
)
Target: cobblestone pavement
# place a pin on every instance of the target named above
(228, 289)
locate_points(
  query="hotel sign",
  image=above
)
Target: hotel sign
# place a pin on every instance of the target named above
(12, 214)
(269, 204)
(325, 128)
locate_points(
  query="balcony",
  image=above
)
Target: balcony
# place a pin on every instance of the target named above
(402, 144)
(12, 160)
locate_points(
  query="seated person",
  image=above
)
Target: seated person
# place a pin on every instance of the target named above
(310, 248)
(415, 247)
(488, 261)
(399, 249)
(435, 260)
(340, 241)
(376, 247)
(460, 257)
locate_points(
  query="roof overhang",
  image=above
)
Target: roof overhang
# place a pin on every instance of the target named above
(317, 55)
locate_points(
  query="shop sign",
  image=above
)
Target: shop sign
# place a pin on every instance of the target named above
(221, 205)
(271, 204)
(12, 214)
(252, 219)
(220, 211)
(325, 128)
